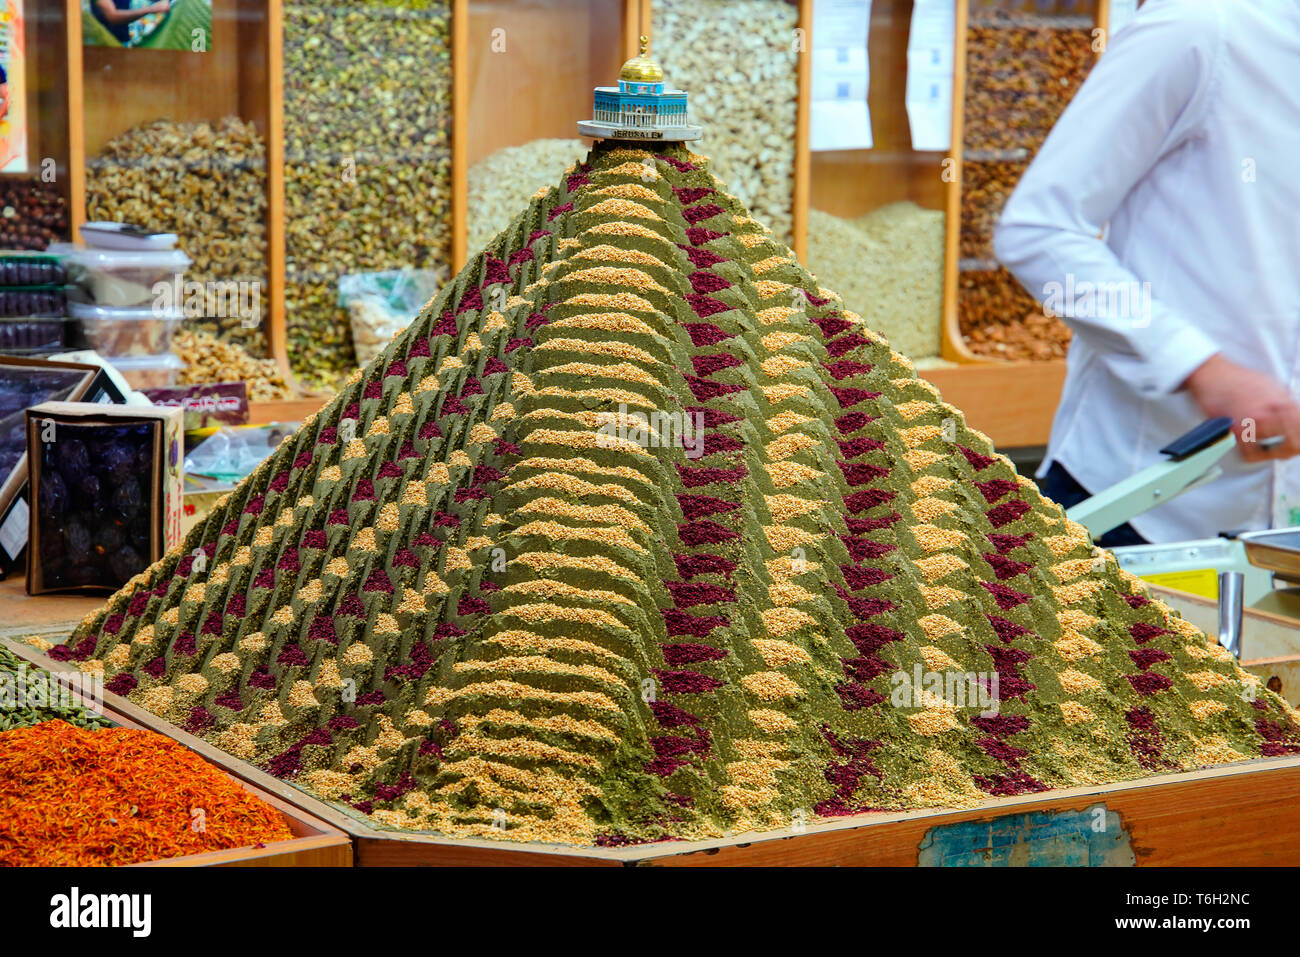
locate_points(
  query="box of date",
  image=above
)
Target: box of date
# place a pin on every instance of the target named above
(105, 487)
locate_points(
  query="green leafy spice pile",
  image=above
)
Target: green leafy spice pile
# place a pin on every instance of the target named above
(474, 595)
(30, 696)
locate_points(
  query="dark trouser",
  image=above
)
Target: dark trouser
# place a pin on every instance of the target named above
(1063, 489)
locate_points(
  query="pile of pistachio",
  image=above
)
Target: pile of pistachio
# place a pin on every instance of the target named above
(367, 110)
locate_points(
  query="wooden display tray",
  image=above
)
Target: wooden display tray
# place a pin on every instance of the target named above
(314, 843)
(1244, 814)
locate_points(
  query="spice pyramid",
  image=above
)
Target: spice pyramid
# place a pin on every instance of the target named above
(475, 596)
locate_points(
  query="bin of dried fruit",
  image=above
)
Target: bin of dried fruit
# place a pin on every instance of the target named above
(77, 797)
(985, 188)
(367, 90)
(1021, 72)
(205, 182)
(1020, 75)
(210, 360)
(738, 59)
(33, 214)
(105, 492)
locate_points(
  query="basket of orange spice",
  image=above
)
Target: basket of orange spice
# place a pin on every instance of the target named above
(81, 786)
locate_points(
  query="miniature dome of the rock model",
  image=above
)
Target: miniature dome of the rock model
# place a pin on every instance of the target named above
(642, 68)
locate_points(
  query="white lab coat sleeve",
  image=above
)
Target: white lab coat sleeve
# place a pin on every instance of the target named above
(1142, 101)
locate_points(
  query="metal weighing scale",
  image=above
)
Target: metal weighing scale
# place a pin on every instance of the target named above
(1238, 569)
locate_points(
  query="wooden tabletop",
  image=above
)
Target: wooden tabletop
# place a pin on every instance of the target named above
(24, 614)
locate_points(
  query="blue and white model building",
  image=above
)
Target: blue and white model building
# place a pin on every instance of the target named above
(640, 108)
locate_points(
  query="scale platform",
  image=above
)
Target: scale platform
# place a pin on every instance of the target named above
(1276, 549)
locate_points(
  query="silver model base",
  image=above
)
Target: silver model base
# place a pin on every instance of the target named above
(656, 134)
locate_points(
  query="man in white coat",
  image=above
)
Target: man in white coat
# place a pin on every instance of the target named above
(1161, 219)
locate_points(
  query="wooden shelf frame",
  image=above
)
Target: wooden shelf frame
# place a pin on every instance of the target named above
(977, 395)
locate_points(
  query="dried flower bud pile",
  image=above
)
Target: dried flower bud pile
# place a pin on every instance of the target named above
(205, 182)
(77, 797)
(367, 114)
(476, 595)
(208, 360)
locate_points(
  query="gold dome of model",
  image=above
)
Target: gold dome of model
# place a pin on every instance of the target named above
(641, 68)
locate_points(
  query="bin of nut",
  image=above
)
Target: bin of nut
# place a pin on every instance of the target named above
(367, 112)
(205, 182)
(1021, 72)
(209, 360)
(1000, 320)
(738, 59)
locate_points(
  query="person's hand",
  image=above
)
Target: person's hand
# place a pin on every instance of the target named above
(1259, 405)
(162, 6)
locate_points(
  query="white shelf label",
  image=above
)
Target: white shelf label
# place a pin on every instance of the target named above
(930, 47)
(13, 533)
(841, 75)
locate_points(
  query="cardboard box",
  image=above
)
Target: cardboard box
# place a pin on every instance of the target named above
(63, 381)
(115, 502)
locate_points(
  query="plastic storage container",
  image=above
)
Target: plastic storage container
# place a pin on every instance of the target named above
(149, 372)
(32, 335)
(113, 277)
(130, 331)
(31, 269)
(35, 301)
(101, 234)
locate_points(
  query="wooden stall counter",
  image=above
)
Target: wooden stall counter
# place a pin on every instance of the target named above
(1165, 820)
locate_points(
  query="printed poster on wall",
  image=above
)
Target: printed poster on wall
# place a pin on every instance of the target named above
(148, 24)
(13, 93)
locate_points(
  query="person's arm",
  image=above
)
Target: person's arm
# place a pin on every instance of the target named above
(115, 17)
(1143, 99)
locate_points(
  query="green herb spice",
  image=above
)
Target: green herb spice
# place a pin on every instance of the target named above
(29, 695)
